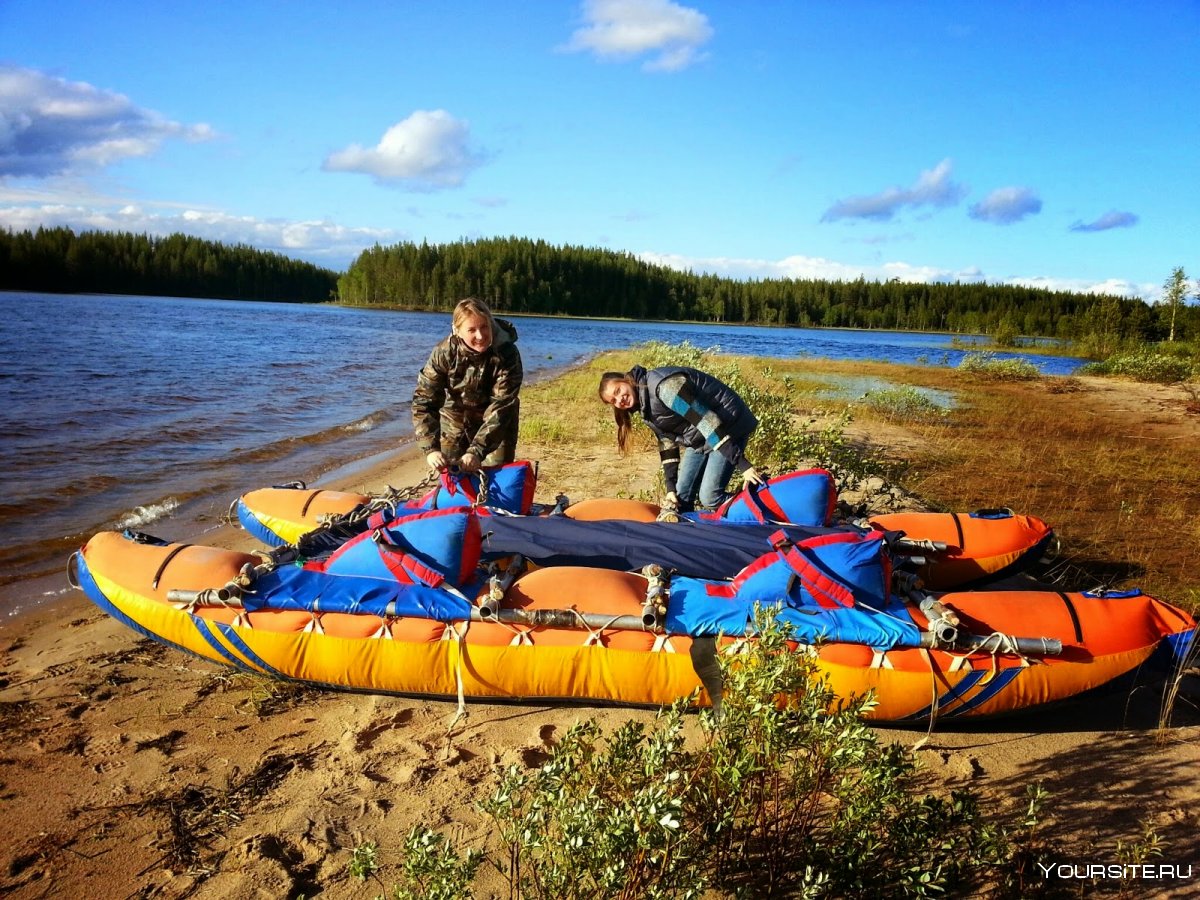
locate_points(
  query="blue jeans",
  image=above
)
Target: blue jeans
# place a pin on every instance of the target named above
(702, 479)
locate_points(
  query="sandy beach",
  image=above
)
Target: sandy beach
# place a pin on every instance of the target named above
(131, 770)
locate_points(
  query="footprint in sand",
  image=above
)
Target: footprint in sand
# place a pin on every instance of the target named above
(534, 757)
(166, 744)
(365, 739)
(962, 766)
(107, 753)
(268, 865)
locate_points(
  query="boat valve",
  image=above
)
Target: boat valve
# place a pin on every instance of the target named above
(655, 606)
(943, 621)
(498, 585)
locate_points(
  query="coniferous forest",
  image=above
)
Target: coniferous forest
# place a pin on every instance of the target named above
(58, 260)
(520, 275)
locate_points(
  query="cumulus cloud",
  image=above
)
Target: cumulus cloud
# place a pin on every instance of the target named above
(820, 268)
(934, 188)
(1111, 219)
(428, 151)
(623, 29)
(320, 241)
(1006, 205)
(50, 126)
(1119, 287)
(802, 267)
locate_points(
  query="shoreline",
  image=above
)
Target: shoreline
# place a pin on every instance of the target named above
(398, 466)
(370, 475)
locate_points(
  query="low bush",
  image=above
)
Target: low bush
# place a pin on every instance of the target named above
(902, 404)
(788, 792)
(433, 870)
(988, 365)
(1146, 364)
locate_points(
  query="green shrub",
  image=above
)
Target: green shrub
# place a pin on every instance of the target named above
(788, 792)
(603, 822)
(1181, 349)
(1101, 346)
(656, 354)
(987, 365)
(433, 870)
(1152, 365)
(1005, 335)
(364, 861)
(902, 404)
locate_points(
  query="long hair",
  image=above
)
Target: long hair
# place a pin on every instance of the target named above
(620, 416)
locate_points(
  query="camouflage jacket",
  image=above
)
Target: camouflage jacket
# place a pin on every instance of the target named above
(459, 390)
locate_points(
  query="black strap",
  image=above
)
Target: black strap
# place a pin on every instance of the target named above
(311, 497)
(170, 556)
(962, 541)
(1074, 616)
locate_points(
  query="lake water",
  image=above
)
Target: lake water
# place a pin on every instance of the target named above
(153, 413)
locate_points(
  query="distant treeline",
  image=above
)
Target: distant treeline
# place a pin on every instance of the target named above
(58, 260)
(526, 276)
(519, 275)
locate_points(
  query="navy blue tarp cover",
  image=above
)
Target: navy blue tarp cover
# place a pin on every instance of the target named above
(698, 549)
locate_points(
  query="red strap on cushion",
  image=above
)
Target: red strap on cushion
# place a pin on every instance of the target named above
(408, 569)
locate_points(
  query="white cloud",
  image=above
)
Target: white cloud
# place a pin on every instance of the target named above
(1111, 219)
(819, 268)
(320, 241)
(1006, 205)
(932, 188)
(622, 29)
(50, 126)
(428, 151)
(801, 267)
(1117, 286)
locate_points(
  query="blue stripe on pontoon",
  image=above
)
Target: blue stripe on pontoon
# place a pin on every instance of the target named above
(250, 522)
(97, 596)
(204, 629)
(88, 585)
(230, 634)
(994, 687)
(954, 693)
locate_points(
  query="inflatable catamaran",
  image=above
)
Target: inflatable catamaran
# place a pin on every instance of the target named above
(472, 591)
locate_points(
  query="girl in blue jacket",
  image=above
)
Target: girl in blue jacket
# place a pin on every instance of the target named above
(689, 411)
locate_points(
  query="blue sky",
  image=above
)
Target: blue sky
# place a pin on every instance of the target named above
(1054, 144)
